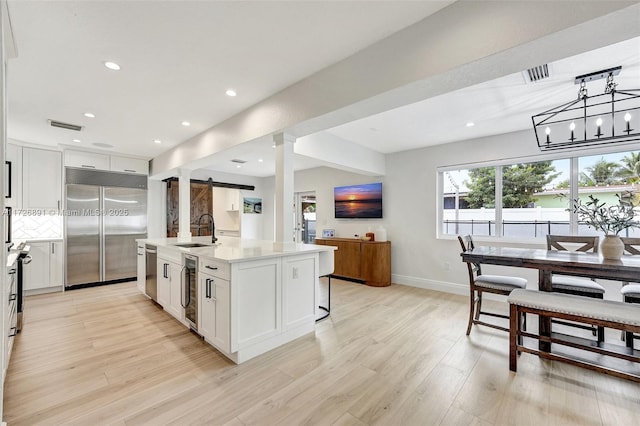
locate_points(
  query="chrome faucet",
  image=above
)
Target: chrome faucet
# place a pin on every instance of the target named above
(213, 226)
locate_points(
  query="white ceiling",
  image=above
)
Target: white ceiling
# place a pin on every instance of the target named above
(499, 106)
(178, 58)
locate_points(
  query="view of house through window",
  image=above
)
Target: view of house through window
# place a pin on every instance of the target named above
(468, 211)
(534, 197)
(608, 178)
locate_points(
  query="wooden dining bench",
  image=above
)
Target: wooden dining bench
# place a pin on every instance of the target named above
(624, 362)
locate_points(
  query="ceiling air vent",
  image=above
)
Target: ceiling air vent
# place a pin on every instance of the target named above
(235, 160)
(536, 73)
(67, 126)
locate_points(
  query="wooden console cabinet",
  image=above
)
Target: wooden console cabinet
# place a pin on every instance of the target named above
(368, 261)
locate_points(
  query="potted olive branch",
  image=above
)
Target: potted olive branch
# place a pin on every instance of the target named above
(609, 219)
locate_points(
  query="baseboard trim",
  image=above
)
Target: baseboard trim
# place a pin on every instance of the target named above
(442, 286)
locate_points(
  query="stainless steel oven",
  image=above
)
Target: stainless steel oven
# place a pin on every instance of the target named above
(189, 296)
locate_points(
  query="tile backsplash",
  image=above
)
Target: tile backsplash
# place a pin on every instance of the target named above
(36, 227)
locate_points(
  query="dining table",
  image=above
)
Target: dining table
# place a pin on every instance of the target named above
(548, 262)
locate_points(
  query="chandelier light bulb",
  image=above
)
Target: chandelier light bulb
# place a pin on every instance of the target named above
(572, 127)
(548, 132)
(599, 124)
(627, 119)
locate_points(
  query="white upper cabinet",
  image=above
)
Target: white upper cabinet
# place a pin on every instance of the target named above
(13, 177)
(226, 205)
(129, 165)
(41, 179)
(86, 160)
(114, 163)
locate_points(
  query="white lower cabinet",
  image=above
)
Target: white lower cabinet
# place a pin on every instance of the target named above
(256, 302)
(46, 269)
(170, 287)
(142, 268)
(214, 316)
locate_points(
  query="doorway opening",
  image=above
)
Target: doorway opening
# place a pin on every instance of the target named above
(305, 217)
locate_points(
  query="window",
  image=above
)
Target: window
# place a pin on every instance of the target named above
(535, 198)
(530, 200)
(608, 178)
(469, 202)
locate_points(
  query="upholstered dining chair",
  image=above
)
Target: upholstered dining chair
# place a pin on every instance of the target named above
(480, 283)
(631, 292)
(576, 285)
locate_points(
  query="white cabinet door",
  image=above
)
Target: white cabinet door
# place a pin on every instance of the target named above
(42, 179)
(298, 290)
(164, 283)
(214, 311)
(221, 296)
(13, 178)
(129, 165)
(206, 307)
(86, 160)
(141, 263)
(226, 206)
(175, 298)
(56, 264)
(256, 300)
(36, 274)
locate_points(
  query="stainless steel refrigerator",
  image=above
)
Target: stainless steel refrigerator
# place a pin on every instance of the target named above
(104, 214)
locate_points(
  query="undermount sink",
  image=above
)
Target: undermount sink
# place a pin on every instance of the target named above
(191, 245)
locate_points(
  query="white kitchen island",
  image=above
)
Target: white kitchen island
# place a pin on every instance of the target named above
(252, 295)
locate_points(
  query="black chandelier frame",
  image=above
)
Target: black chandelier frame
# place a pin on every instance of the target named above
(606, 118)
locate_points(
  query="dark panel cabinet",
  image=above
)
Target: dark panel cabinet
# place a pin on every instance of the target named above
(367, 261)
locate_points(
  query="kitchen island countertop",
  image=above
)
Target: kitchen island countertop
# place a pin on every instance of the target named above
(234, 249)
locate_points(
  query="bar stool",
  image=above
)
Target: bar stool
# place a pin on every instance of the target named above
(630, 292)
(480, 283)
(578, 286)
(327, 308)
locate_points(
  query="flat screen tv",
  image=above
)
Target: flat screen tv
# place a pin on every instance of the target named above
(358, 201)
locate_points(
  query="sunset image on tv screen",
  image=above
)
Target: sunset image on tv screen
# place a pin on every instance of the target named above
(358, 201)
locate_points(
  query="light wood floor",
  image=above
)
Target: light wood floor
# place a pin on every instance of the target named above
(389, 356)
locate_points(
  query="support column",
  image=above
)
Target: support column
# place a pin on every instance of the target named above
(284, 188)
(184, 205)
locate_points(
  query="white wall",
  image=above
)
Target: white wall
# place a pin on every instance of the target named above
(410, 208)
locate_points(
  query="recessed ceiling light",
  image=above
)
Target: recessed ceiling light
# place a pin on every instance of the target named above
(273, 146)
(112, 66)
(186, 124)
(89, 114)
(470, 124)
(231, 92)
(157, 141)
(260, 160)
(76, 140)
(238, 166)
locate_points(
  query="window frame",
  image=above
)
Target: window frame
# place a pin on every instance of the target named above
(573, 157)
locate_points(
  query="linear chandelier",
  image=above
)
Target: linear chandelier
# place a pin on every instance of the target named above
(609, 117)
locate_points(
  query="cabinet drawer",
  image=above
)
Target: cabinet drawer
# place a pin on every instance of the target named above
(170, 255)
(217, 268)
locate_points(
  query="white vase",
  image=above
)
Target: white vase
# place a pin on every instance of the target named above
(612, 247)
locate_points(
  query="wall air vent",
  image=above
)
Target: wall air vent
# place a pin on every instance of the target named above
(536, 73)
(237, 161)
(67, 126)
